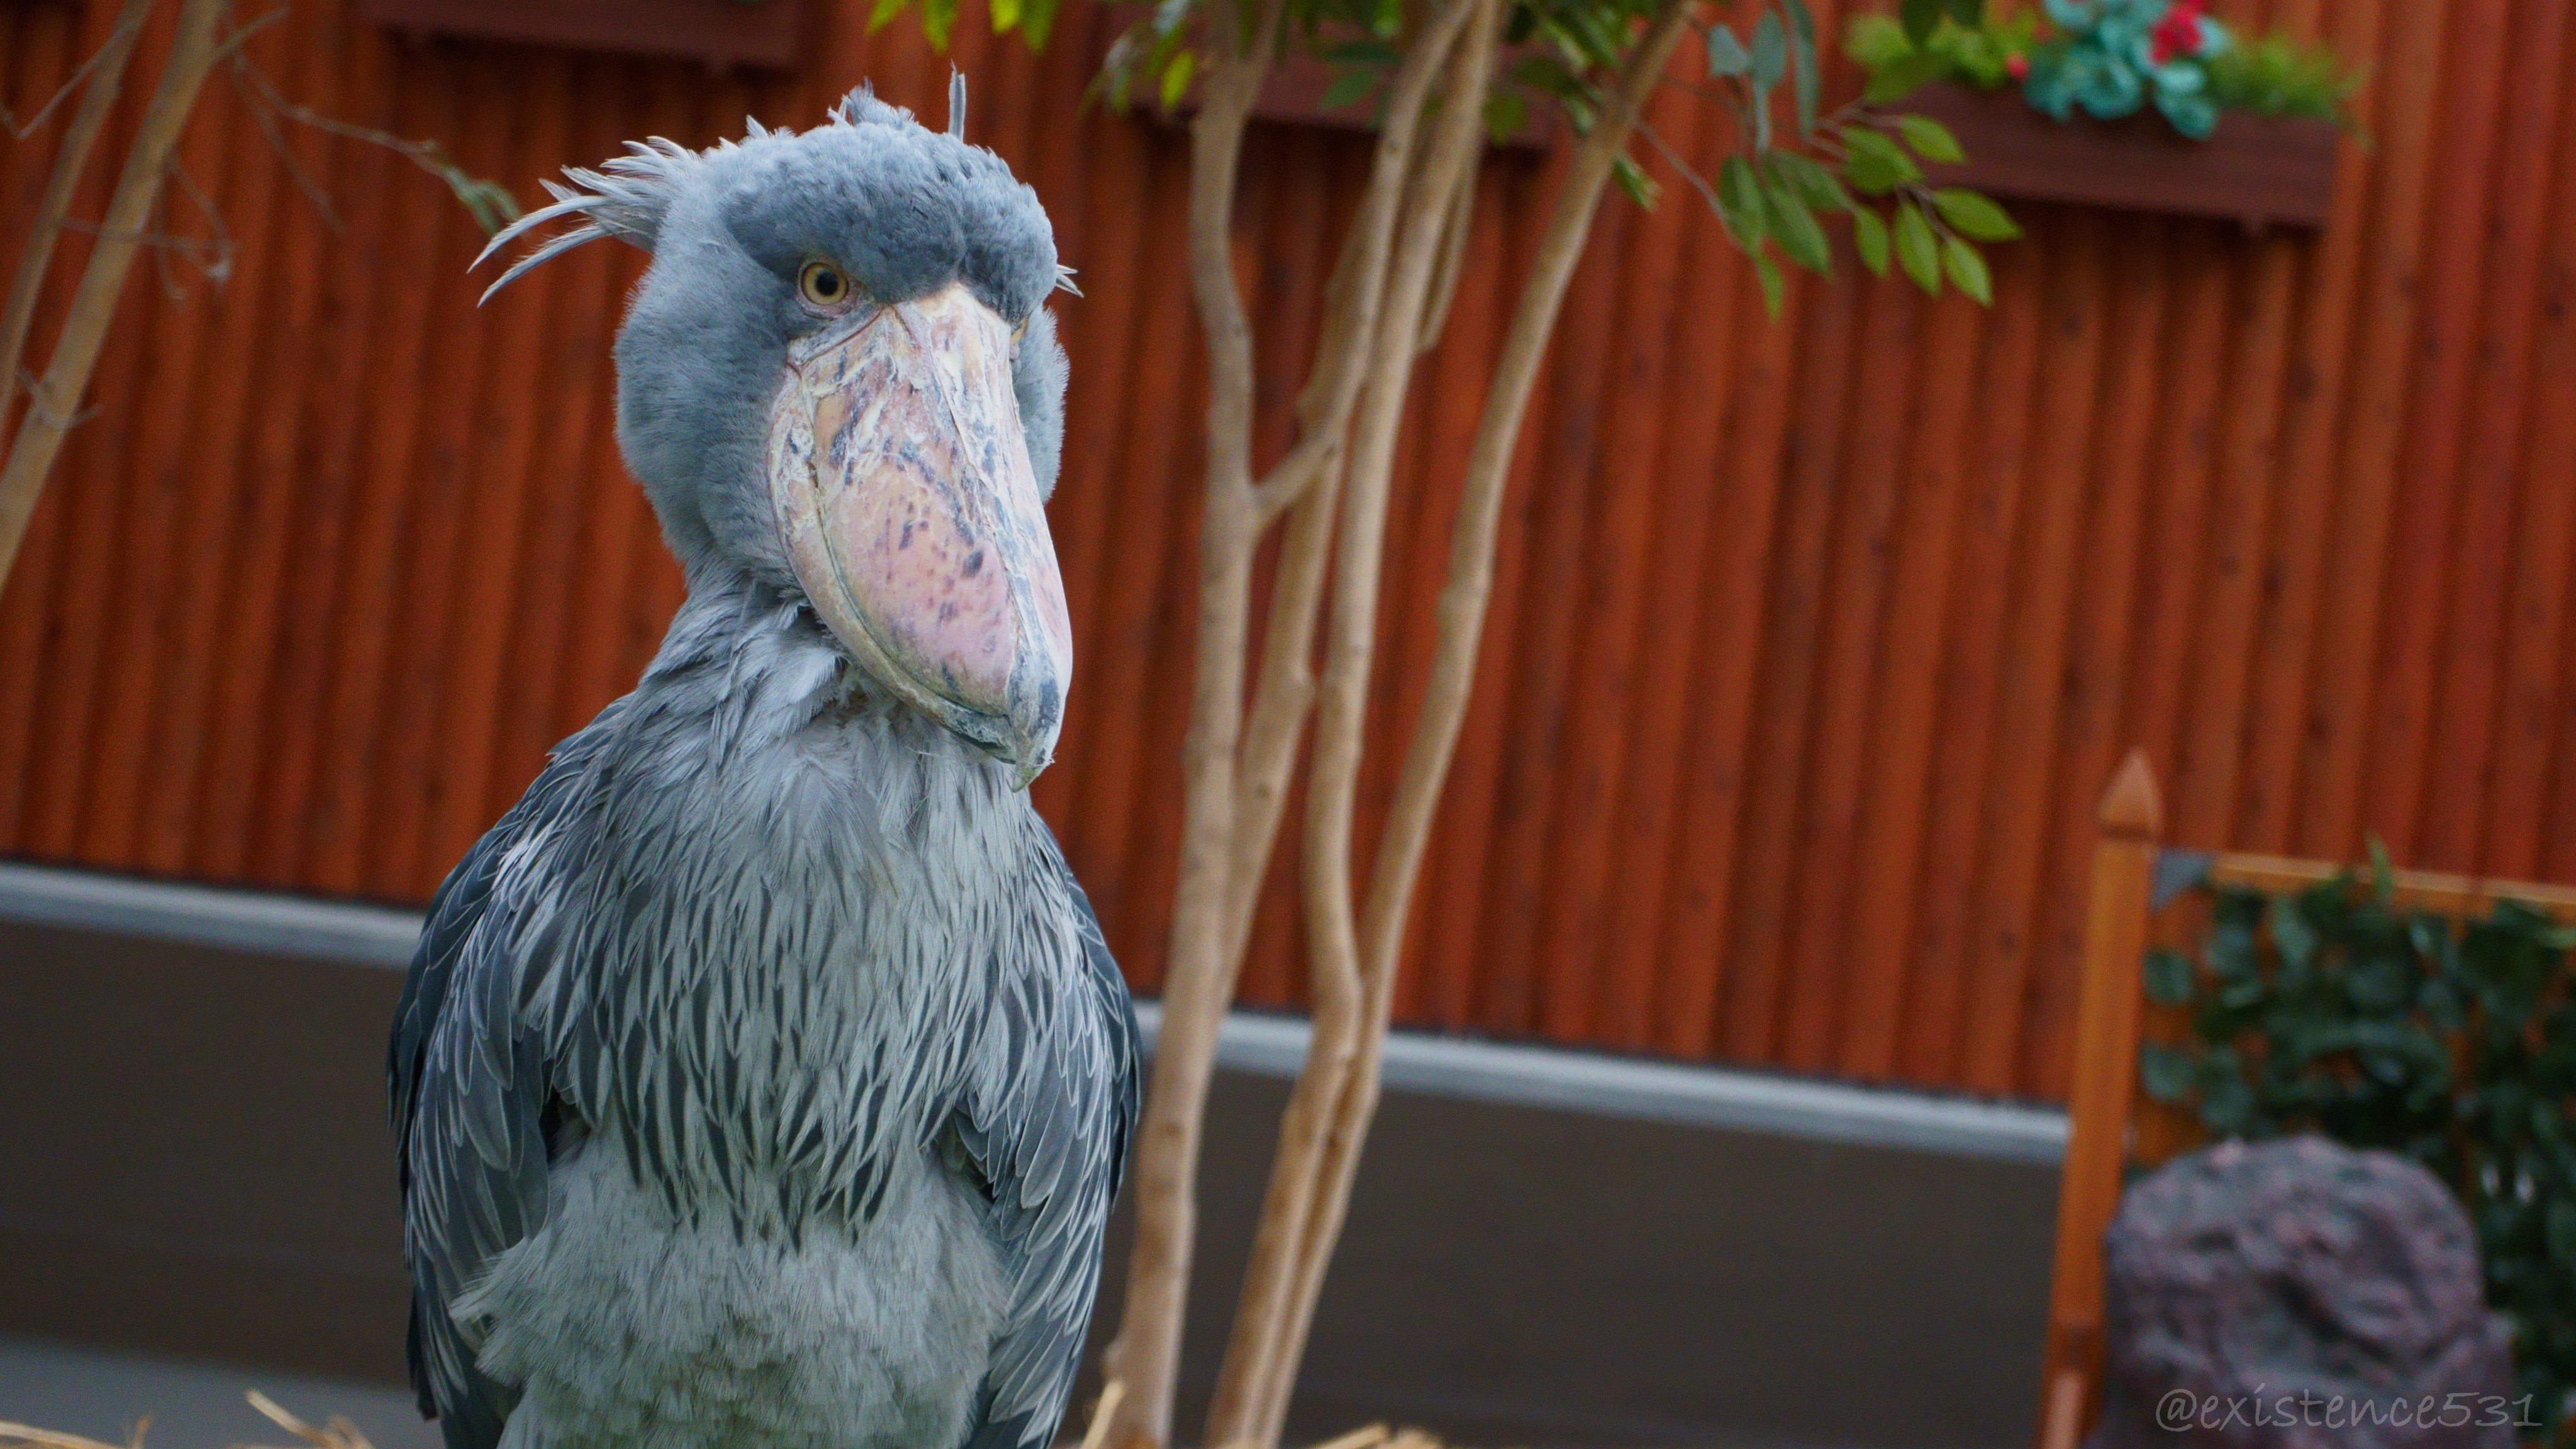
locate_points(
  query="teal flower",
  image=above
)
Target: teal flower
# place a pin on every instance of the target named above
(2116, 55)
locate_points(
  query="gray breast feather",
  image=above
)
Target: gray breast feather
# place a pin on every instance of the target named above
(507, 1043)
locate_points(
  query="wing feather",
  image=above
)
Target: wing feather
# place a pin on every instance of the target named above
(472, 1072)
(1049, 1127)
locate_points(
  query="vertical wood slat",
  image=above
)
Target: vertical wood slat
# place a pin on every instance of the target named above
(2106, 1031)
(2296, 559)
(1811, 639)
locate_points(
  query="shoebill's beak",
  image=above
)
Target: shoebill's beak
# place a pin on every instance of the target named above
(912, 519)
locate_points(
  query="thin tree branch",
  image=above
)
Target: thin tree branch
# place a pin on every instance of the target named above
(1471, 561)
(1397, 861)
(1299, 1212)
(1453, 261)
(109, 57)
(107, 66)
(138, 188)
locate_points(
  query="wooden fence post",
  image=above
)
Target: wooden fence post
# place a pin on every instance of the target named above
(2106, 1070)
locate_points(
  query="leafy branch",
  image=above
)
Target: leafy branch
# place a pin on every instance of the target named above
(1774, 190)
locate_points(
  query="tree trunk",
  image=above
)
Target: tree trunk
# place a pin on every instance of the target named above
(1373, 946)
(1261, 1358)
(1145, 1358)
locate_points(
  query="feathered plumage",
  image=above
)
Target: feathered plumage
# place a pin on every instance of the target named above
(762, 1076)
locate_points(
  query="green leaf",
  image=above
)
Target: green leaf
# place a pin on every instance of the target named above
(2169, 979)
(1641, 188)
(1739, 203)
(1900, 78)
(2562, 1232)
(1770, 62)
(1804, 74)
(1930, 139)
(1873, 164)
(1006, 16)
(938, 21)
(1969, 14)
(2291, 934)
(1775, 288)
(1801, 240)
(1817, 185)
(1974, 216)
(1869, 238)
(1349, 88)
(1037, 21)
(1875, 41)
(1363, 52)
(1176, 73)
(1505, 114)
(1726, 54)
(2168, 1073)
(1967, 270)
(1916, 249)
(1919, 17)
(884, 11)
(1770, 50)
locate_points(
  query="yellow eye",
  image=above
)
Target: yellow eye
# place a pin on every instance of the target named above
(823, 285)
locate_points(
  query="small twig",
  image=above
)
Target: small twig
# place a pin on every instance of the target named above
(492, 205)
(1690, 174)
(258, 97)
(116, 41)
(339, 1433)
(41, 411)
(230, 46)
(1096, 1436)
(1368, 1436)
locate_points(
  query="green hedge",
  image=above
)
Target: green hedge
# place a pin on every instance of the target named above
(2451, 1042)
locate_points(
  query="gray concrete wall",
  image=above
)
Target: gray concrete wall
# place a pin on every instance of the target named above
(194, 1161)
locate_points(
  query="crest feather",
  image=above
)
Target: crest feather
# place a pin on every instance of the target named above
(626, 198)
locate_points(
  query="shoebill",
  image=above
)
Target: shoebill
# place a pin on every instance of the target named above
(762, 1078)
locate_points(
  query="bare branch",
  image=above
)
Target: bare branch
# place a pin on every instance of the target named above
(70, 159)
(491, 204)
(1471, 559)
(1688, 172)
(138, 190)
(109, 59)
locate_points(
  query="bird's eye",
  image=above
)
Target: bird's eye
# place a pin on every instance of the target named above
(823, 285)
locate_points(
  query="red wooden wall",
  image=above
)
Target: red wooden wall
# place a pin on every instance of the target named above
(1814, 641)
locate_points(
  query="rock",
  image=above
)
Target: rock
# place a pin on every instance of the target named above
(2299, 1293)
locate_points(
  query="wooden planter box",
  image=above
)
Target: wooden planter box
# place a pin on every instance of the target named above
(763, 34)
(2261, 170)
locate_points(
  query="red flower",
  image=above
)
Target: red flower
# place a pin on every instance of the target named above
(2017, 65)
(2179, 32)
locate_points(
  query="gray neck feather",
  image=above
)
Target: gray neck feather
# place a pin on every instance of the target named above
(801, 905)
